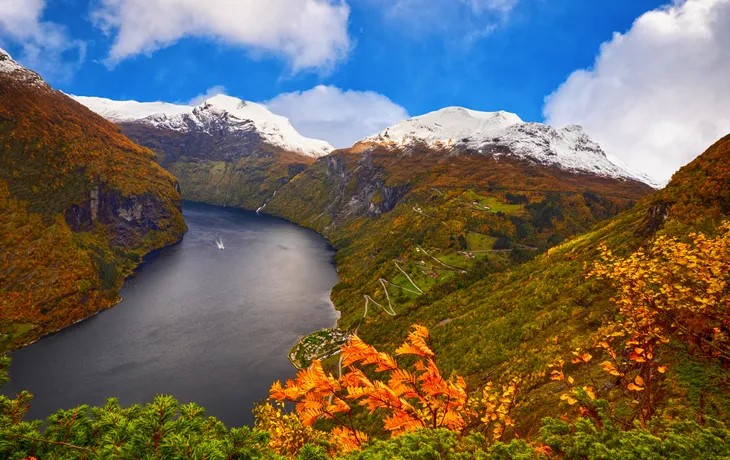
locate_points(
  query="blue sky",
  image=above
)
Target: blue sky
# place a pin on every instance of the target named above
(395, 57)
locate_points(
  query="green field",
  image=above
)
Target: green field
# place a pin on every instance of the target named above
(496, 205)
(477, 242)
(493, 204)
(455, 259)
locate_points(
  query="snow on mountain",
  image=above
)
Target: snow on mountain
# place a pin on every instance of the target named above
(19, 73)
(218, 112)
(447, 126)
(121, 111)
(504, 133)
(7, 64)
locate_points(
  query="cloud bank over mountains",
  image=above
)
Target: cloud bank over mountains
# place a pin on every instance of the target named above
(340, 117)
(657, 95)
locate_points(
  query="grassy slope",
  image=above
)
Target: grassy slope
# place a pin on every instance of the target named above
(516, 318)
(437, 214)
(522, 320)
(53, 154)
(223, 169)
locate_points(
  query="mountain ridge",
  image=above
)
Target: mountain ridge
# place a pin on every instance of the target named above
(239, 115)
(503, 133)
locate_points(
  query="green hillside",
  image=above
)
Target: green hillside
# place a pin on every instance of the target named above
(530, 340)
(412, 227)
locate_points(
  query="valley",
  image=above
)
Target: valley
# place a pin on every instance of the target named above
(503, 289)
(193, 317)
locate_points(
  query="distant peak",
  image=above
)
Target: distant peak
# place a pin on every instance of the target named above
(224, 102)
(126, 111)
(7, 63)
(220, 111)
(464, 112)
(504, 133)
(447, 126)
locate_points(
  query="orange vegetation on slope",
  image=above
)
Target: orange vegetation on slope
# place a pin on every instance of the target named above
(79, 205)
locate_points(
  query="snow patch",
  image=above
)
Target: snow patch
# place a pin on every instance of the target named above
(7, 64)
(447, 126)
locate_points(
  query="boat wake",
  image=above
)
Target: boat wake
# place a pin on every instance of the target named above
(219, 243)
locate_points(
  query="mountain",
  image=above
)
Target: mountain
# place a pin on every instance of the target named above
(501, 134)
(124, 111)
(513, 312)
(220, 112)
(225, 151)
(80, 204)
(519, 321)
(434, 204)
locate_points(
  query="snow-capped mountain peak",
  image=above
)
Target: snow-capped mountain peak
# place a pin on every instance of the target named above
(124, 111)
(7, 64)
(447, 126)
(19, 73)
(219, 112)
(505, 134)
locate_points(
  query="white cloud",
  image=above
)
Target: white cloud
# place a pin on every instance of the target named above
(309, 33)
(339, 117)
(210, 92)
(658, 95)
(45, 46)
(467, 19)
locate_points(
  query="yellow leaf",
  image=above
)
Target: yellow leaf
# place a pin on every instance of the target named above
(610, 368)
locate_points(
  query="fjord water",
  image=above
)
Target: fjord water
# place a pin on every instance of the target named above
(205, 325)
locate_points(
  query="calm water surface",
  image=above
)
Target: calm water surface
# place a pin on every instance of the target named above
(202, 324)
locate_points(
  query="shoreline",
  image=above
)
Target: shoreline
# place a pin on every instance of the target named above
(111, 305)
(152, 252)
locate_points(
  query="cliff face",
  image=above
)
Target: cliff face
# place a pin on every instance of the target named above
(80, 204)
(143, 213)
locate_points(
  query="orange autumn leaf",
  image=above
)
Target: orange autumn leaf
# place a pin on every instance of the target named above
(633, 387)
(610, 368)
(406, 398)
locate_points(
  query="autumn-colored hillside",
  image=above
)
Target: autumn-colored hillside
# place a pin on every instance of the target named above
(412, 226)
(80, 204)
(519, 322)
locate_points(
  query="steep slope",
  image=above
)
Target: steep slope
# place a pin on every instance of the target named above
(225, 151)
(518, 322)
(80, 204)
(414, 222)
